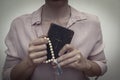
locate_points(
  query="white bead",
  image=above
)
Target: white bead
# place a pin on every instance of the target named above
(48, 39)
(53, 57)
(50, 44)
(52, 54)
(46, 61)
(45, 38)
(49, 60)
(51, 49)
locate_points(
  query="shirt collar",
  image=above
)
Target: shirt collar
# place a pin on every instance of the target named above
(36, 17)
(75, 16)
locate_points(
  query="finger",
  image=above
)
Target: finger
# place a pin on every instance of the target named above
(38, 41)
(72, 65)
(66, 56)
(38, 54)
(37, 48)
(66, 48)
(70, 60)
(39, 60)
(42, 36)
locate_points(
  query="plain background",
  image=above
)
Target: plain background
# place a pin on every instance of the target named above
(108, 12)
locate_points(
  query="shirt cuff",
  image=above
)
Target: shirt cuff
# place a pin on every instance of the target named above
(7, 73)
(102, 66)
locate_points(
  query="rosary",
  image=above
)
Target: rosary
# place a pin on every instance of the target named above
(59, 69)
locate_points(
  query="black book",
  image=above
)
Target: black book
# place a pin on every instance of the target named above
(59, 36)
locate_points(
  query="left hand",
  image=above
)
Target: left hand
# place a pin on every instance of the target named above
(73, 58)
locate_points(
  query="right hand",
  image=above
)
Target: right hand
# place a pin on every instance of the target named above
(37, 50)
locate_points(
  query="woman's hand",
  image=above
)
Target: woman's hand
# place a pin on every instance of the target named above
(37, 50)
(37, 54)
(71, 57)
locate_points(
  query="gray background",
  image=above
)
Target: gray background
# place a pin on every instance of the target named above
(107, 10)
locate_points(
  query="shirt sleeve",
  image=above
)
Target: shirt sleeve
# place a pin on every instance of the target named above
(12, 57)
(10, 63)
(97, 54)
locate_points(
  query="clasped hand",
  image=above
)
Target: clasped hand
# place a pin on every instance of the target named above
(69, 56)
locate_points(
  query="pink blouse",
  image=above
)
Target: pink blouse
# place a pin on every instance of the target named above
(87, 38)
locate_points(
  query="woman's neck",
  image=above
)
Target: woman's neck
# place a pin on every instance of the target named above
(54, 13)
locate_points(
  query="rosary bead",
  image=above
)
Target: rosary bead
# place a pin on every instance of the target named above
(46, 61)
(50, 44)
(51, 51)
(52, 54)
(49, 41)
(45, 38)
(49, 60)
